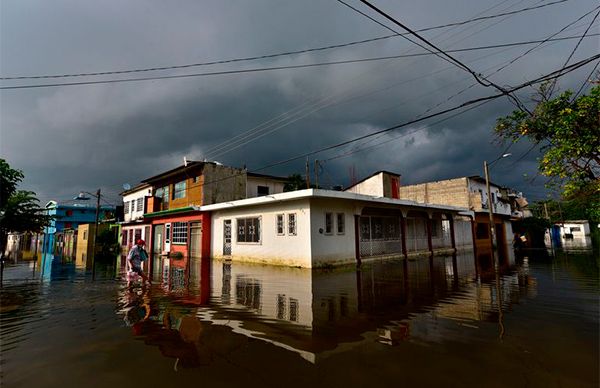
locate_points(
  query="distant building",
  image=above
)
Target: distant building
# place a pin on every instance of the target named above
(471, 193)
(61, 232)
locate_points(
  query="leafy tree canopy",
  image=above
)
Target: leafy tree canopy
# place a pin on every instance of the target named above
(568, 129)
(19, 209)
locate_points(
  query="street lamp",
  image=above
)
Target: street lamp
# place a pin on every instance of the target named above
(82, 197)
(489, 195)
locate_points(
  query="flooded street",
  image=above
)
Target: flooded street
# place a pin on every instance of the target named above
(448, 321)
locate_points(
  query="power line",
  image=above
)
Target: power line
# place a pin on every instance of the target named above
(275, 55)
(587, 79)
(575, 49)
(300, 112)
(552, 75)
(444, 55)
(549, 76)
(263, 69)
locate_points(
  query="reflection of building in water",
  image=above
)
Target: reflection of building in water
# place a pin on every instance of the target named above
(318, 313)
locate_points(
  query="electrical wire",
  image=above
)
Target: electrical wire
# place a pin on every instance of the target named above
(275, 55)
(267, 127)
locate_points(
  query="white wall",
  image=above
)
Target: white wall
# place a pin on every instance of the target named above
(273, 249)
(334, 248)
(133, 213)
(500, 207)
(371, 186)
(253, 183)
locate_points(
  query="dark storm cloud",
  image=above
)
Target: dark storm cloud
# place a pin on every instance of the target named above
(83, 137)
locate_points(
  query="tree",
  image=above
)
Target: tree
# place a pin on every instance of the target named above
(294, 182)
(19, 209)
(568, 128)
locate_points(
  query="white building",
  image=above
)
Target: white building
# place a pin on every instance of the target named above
(316, 228)
(134, 207)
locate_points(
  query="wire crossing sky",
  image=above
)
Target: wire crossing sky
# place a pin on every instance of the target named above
(97, 95)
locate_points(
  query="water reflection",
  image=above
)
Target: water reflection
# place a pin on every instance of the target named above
(422, 314)
(313, 313)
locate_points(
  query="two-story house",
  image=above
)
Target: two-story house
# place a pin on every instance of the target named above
(173, 209)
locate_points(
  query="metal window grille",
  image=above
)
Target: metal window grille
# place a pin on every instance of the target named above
(328, 223)
(179, 231)
(292, 224)
(248, 230)
(280, 224)
(341, 223)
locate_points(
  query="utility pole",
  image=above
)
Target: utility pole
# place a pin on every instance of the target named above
(95, 235)
(316, 173)
(490, 210)
(307, 175)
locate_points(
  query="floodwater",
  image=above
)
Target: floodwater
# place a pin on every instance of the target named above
(448, 321)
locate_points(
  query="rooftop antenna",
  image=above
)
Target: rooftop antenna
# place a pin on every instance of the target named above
(184, 161)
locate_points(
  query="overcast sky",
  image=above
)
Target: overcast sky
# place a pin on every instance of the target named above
(84, 137)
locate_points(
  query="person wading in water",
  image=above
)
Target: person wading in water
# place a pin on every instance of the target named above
(136, 255)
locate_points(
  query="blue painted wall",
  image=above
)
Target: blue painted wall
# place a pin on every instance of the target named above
(71, 216)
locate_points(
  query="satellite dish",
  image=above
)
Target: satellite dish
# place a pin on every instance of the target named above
(126, 186)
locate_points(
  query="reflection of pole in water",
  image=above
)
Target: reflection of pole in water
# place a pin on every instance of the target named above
(498, 295)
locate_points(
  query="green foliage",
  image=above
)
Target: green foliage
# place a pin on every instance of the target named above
(534, 228)
(9, 179)
(108, 243)
(19, 209)
(569, 131)
(295, 182)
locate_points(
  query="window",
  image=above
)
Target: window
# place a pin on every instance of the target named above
(262, 190)
(140, 204)
(179, 232)
(575, 229)
(280, 230)
(197, 179)
(85, 235)
(328, 223)
(341, 223)
(292, 224)
(163, 193)
(126, 207)
(69, 213)
(179, 190)
(248, 230)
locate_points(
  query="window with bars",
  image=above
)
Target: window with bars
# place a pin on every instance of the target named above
(179, 190)
(179, 231)
(328, 223)
(126, 207)
(341, 223)
(140, 204)
(292, 224)
(280, 230)
(248, 230)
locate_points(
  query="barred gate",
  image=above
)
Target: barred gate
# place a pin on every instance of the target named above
(380, 235)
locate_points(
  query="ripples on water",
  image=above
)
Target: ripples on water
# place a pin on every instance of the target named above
(451, 321)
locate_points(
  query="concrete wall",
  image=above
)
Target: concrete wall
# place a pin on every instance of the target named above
(290, 250)
(334, 248)
(253, 182)
(222, 184)
(452, 192)
(371, 186)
